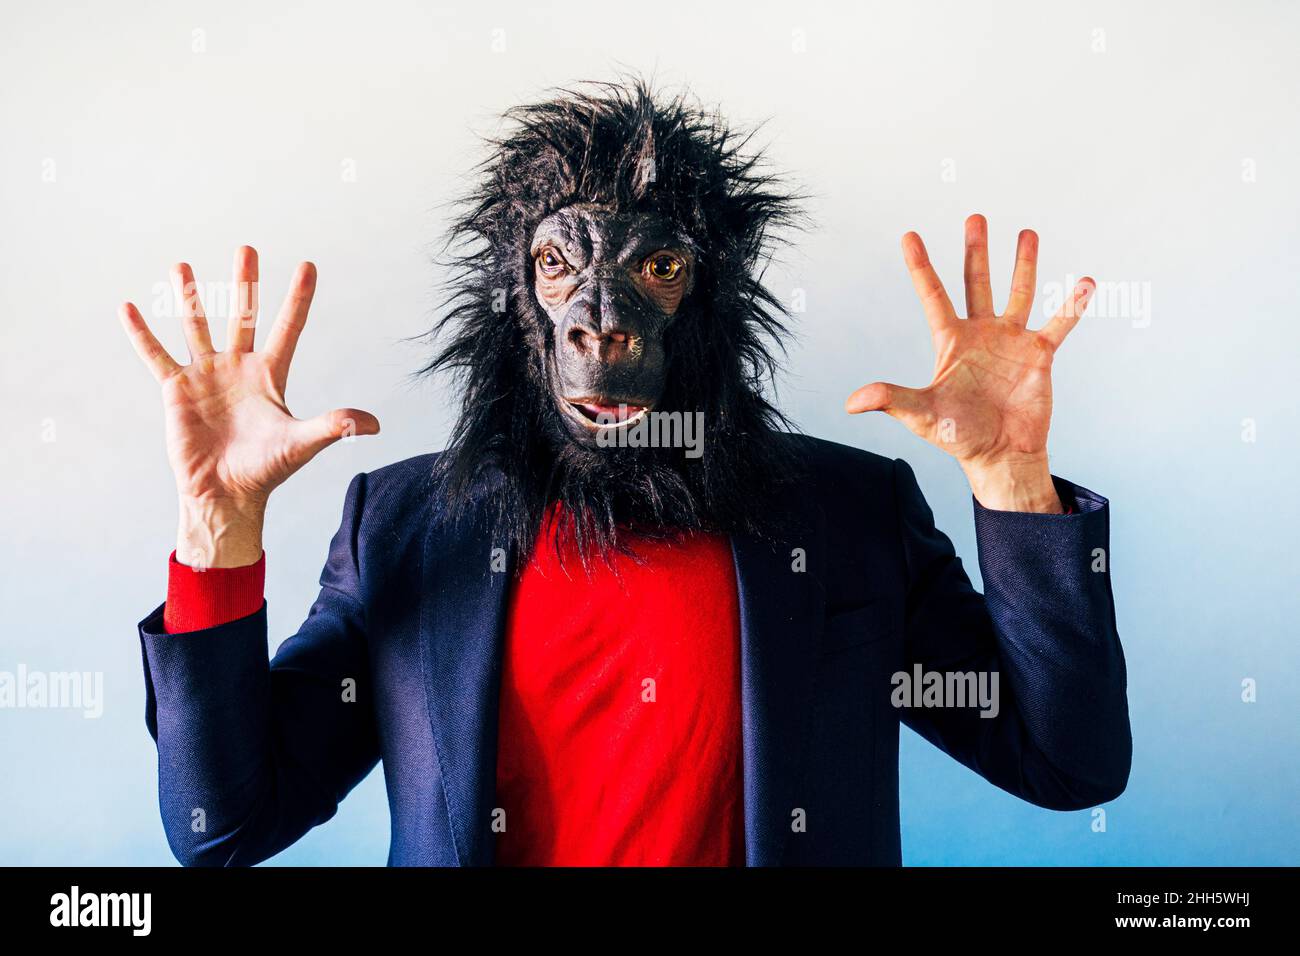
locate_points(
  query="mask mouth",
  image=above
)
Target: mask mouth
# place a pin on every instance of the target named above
(599, 413)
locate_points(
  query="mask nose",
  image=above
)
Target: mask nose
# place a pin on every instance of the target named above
(603, 325)
(611, 348)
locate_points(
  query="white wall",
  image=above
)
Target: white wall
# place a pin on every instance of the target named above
(1119, 131)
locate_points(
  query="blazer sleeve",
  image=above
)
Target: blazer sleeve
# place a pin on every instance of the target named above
(251, 754)
(1045, 625)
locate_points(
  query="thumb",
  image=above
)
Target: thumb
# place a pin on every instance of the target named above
(322, 431)
(884, 397)
(909, 405)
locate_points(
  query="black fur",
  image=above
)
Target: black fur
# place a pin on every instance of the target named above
(595, 144)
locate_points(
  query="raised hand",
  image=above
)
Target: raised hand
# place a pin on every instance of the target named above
(989, 404)
(230, 437)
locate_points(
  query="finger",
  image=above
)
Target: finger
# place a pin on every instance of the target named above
(289, 323)
(322, 431)
(938, 307)
(1071, 311)
(146, 346)
(979, 294)
(1024, 279)
(906, 404)
(193, 320)
(242, 326)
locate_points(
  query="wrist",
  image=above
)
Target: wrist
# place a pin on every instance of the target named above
(1014, 485)
(219, 532)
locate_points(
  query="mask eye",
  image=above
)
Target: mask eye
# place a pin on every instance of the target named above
(550, 264)
(663, 267)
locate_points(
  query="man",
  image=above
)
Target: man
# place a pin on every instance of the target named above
(570, 642)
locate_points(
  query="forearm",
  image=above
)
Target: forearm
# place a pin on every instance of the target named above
(218, 570)
(203, 598)
(219, 532)
(1021, 484)
(209, 708)
(1047, 588)
(1057, 733)
(253, 753)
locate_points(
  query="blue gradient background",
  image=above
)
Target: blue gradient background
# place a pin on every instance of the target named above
(1120, 132)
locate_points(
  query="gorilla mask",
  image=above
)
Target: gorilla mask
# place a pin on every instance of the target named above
(607, 270)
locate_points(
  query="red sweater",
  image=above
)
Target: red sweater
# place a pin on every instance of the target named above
(620, 713)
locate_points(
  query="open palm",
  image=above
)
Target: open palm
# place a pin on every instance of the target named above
(990, 399)
(230, 436)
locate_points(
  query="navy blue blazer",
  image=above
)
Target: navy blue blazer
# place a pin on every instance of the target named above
(399, 661)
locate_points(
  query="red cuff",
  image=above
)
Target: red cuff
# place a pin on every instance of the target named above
(203, 599)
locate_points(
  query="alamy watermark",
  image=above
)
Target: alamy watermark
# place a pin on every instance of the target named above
(652, 429)
(946, 689)
(1113, 299)
(130, 910)
(24, 689)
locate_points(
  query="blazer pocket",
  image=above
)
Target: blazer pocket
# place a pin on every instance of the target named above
(868, 624)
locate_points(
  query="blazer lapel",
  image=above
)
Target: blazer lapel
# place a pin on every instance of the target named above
(462, 610)
(781, 623)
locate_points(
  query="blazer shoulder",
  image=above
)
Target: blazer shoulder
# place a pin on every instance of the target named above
(408, 475)
(391, 496)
